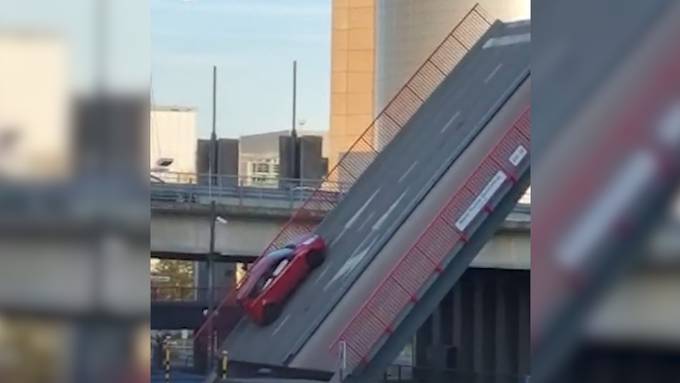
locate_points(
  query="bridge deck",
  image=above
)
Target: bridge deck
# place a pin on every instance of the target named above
(388, 191)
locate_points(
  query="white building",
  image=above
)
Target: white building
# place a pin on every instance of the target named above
(259, 156)
(172, 140)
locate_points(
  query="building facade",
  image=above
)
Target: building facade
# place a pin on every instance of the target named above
(172, 142)
(260, 159)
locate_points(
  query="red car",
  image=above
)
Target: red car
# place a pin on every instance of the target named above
(276, 275)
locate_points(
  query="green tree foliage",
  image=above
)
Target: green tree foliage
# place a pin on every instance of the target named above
(179, 283)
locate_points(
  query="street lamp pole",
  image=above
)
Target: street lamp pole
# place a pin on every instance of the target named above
(294, 155)
(211, 252)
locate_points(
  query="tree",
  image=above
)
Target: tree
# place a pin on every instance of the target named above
(179, 284)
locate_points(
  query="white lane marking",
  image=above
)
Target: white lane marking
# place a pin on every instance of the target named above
(507, 40)
(448, 124)
(361, 210)
(323, 272)
(382, 219)
(406, 173)
(598, 220)
(367, 220)
(356, 215)
(280, 326)
(351, 263)
(493, 73)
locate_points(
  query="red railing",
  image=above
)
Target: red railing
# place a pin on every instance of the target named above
(437, 244)
(381, 131)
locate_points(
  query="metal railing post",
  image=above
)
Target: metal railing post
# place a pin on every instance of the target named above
(225, 364)
(166, 358)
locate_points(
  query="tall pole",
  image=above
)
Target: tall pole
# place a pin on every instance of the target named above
(294, 122)
(293, 131)
(211, 251)
(212, 161)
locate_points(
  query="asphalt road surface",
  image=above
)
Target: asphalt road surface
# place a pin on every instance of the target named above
(389, 190)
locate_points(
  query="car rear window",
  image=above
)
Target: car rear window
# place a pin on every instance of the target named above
(280, 253)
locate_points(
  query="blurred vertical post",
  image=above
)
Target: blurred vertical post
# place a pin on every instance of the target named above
(225, 364)
(166, 358)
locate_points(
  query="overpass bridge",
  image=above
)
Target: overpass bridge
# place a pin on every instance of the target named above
(181, 230)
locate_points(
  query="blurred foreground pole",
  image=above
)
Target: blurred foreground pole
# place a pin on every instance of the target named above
(607, 118)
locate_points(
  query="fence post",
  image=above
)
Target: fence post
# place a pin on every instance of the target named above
(225, 364)
(166, 358)
(342, 360)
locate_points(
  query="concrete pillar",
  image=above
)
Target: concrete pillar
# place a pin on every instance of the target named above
(512, 320)
(478, 324)
(311, 164)
(437, 350)
(490, 336)
(523, 328)
(503, 330)
(202, 161)
(227, 162)
(463, 323)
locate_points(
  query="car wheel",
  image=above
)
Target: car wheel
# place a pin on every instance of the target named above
(314, 259)
(271, 313)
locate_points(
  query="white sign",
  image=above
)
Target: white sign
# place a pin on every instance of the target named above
(482, 199)
(518, 155)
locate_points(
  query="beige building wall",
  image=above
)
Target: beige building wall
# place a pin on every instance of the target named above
(353, 73)
(409, 31)
(35, 119)
(378, 44)
(172, 134)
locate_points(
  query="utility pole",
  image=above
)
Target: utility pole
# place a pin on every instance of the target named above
(294, 152)
(211, 252)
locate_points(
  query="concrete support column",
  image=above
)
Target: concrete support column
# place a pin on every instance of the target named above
(503, 330)
(523, 329)
(463, 338)
(478, 323)
(437, 349)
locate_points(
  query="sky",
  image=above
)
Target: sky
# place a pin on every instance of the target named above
(253, 43)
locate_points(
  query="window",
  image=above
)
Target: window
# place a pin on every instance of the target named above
(262, 168)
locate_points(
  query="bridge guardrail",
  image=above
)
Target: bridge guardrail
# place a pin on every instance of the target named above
(185, 294)
(290, 191)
